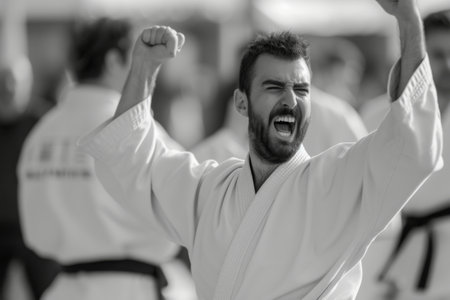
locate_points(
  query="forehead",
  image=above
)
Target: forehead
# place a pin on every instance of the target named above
(284, 70)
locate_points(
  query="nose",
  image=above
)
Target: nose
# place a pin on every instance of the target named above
(289, 99)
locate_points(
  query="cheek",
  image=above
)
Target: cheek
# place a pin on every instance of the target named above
(305, 107)
(262, 105)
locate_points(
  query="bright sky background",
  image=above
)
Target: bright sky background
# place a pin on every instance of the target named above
(332, 16)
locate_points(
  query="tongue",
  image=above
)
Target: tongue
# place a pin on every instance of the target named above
(282, 126)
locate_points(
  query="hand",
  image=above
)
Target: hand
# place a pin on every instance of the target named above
(157, 44)
(403, 10)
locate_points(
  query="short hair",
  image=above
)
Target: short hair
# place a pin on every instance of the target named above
(91, 41)
(439, 20)
(286, 45)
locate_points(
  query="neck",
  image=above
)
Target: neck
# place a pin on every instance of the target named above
(261, 170)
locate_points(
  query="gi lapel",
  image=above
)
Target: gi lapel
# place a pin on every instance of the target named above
(250, 228)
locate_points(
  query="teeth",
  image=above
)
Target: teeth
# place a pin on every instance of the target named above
(286, 134)
(285, 118)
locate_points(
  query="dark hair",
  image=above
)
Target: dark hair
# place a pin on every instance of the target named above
(437, 20)
(93, 40)
(286, 45)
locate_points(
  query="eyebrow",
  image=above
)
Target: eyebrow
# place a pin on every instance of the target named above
(282, 84)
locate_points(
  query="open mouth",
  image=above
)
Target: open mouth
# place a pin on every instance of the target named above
(284, 125)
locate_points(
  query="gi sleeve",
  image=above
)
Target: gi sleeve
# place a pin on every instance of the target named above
(375, 177)
(151, 180)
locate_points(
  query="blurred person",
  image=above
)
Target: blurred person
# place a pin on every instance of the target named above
(279, 225)
(15, 123)
(338, 66)
(419, 265)
(66, 214)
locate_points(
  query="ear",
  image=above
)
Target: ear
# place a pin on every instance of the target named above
(241, 102)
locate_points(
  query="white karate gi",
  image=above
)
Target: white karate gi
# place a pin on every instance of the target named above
(68, 216)
(433, 195)
(303, 234)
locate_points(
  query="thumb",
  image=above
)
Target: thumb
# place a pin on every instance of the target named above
(181, 40)
(146, 36)
(175, 41)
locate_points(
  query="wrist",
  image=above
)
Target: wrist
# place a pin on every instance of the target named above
(412, 20)
(144, 69)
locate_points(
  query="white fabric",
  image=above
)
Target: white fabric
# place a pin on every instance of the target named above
(435, 193)
(221, 146)
(303, 234)
(101, 286)
(372, 113)
(65, 212)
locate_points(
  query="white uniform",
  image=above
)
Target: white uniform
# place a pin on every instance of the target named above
(432, 196)
(68, 216)
(333, 121)
(303, 234)
(372, 113)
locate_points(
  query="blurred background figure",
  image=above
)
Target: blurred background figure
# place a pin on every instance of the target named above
(338, 67)
(419, 265)
(15, 123)
(104, 252)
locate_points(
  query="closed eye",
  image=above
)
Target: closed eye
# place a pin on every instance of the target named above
(301, 91)
(274, 88)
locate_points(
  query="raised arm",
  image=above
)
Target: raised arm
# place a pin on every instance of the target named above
(151, 180)
(412, 41)
(379, 173)
(154, 46)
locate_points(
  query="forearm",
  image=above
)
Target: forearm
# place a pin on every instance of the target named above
(154, 46)
(138, 86)
(412, 49)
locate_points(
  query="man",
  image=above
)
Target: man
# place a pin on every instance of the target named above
(419, 266)
(15, 123)
(279, 225)
(105, 253)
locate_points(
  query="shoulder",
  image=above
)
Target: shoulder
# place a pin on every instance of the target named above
(223, 173)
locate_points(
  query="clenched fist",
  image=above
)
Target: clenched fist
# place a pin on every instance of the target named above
(403, 10)
(157, 44)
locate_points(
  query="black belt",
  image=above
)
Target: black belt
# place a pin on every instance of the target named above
(121, 265)
(412, 222)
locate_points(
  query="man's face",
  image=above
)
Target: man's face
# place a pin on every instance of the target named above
(279, 107)
(438, 48)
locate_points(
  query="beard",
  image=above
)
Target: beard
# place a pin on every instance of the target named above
(270, 149)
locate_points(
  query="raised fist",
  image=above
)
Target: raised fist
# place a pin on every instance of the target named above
(404, 10)
(158, 44)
